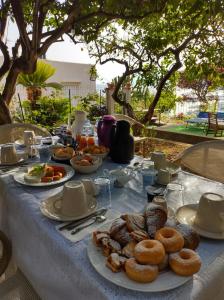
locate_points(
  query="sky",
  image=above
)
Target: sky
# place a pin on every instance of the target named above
(67, 51)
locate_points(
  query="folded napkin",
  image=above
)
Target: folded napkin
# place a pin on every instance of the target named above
(110, 214)
(209, 284)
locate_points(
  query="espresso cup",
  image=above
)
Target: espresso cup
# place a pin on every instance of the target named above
(8, 154)
(28, 137)
(90, 187)
(210, 213)
(73, 200)
(159, 159)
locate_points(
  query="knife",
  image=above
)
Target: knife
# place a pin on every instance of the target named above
(73, 224)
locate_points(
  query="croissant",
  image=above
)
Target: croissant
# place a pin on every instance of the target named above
(134, 221)
(128, 250)
(139, 235)
(156, 218)
(119, 232)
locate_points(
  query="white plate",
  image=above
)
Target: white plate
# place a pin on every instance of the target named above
(20, 161)
(47, 208)
(165, 281)
(186, 214)
(19, 176)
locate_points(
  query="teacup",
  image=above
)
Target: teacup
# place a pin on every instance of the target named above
(210, 213)
(74, 199)
(8, 154)
(90, 187)
(159, 159)
(28, 137)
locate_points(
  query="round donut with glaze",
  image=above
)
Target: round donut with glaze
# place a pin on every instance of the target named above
(186, 262)
(140, 273)
(171, 239)
(149, 252)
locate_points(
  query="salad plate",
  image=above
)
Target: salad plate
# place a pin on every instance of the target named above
(24, 172)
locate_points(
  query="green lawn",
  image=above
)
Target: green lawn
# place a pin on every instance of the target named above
(190, 129)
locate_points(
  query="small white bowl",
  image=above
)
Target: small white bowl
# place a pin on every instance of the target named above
(97, 162)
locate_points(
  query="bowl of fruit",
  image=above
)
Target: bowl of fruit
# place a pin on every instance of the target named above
(96, 151)
(85, 163)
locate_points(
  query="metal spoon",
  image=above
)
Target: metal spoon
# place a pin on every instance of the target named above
(97, 219)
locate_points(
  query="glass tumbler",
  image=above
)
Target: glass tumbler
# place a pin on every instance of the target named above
(174, 196)
(104, 192)
(44, 153)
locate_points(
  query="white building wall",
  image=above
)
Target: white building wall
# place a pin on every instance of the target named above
(73, 76)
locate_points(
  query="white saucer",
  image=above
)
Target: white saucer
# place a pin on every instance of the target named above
(186, 215)
(18, 162)
(47, 208)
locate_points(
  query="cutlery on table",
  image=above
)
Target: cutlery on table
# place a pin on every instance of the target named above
(73, 224)
(97, 219)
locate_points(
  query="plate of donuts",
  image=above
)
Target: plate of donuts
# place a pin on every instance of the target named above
(101, 261)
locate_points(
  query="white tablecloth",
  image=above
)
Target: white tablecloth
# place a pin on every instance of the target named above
(60, 270)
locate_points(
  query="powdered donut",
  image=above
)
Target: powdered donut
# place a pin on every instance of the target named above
(185, 263)
(171, 239)
(140, 273)
(149, 252)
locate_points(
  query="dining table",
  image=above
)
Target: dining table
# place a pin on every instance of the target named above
(60, 269)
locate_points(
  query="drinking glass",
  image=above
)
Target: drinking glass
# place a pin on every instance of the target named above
(44, 153)
(104, 192)
(174, 195)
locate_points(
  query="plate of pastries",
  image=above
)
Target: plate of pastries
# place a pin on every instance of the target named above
(145, 252)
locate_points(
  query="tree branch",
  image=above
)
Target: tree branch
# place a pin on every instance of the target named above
(7, 62)
(19, 17)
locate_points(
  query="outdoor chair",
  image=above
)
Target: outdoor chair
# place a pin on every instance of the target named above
(12, 132)
(141, 141)
(205, 159)
(214, 124)
(201, 119)
(16, 287)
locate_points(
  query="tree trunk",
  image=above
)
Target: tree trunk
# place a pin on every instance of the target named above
(5, 116)
(33, 94)
(19, 65)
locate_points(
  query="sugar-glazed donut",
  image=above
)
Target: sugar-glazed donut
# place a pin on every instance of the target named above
(185, 263)
(140, 273)
(149, 252)
(171, 239)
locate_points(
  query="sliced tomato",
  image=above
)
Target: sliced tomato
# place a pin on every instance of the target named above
(60, 174)
(46, 179)
(59, 169)
(56, 177)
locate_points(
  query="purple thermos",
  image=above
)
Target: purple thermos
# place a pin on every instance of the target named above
(104, 130)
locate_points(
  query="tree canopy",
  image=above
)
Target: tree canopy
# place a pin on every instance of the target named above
(156, 47)
(41, 23)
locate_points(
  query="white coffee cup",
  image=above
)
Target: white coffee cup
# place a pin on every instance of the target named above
(28, 137)
(8, 154)
(163, 177)
(210, 213)
(159, 159)
(73, 200)
(90, 187)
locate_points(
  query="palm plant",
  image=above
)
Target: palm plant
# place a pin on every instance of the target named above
(34, 83)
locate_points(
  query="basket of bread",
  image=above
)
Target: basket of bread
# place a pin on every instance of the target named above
(97, 151)
(63, 153)
(86, 163)
(144, 245)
